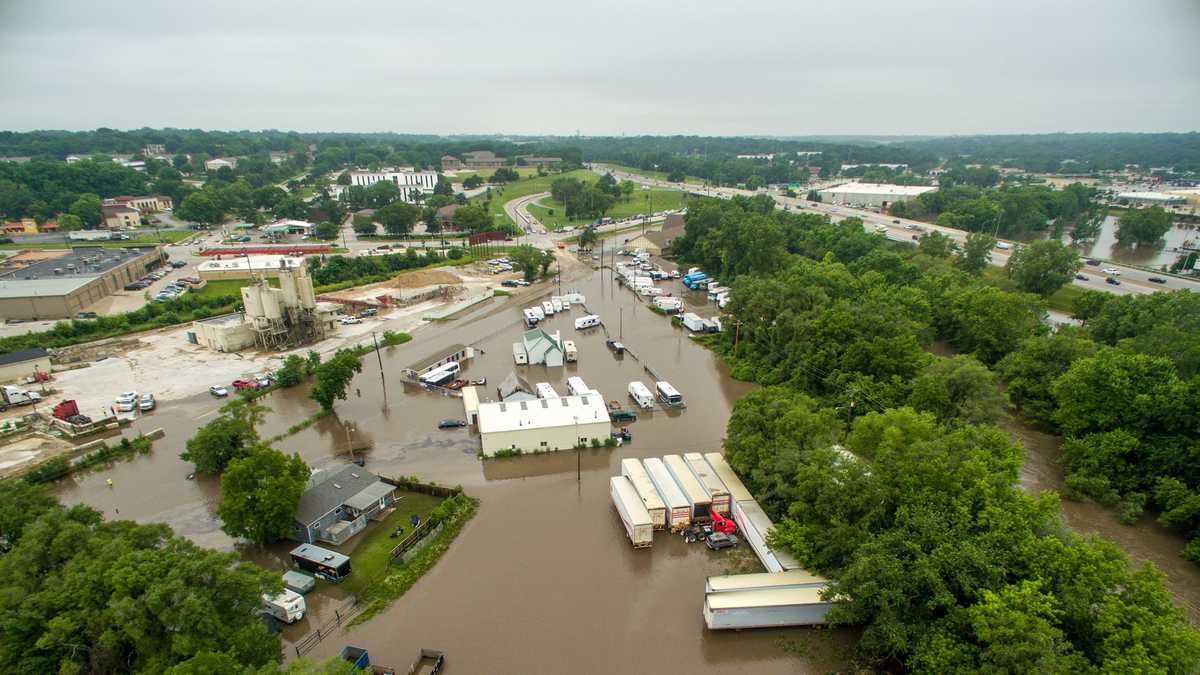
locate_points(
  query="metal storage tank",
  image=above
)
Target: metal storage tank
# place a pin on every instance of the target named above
(308, 297)
(272, 307)
(287, 284)
(252, 300)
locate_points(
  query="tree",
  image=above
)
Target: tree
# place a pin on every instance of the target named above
(291, 207)
(1043, 267)
(936, 244)
(958, 389)
(87, 209)
(471, 182)
(397, 218)
(21, 503)
(364, 225)
(292, 372)
(268, 196)
(225, 438)
(382, 193)
(527, 259)
(472, 219)
(504, 175)
(259, 494)
(588, 237)
(676, 176)
(343, 178)
(1031, 370)
(120, 597)
(976, 255)
(1115, 389)
(443, 186)
(332, 378)
(326, 230)
(1143, 226)
(68, 222)
(988, 322)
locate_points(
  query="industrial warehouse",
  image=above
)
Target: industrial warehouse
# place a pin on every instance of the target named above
(57, 284)
(876, 195)
(543, 424)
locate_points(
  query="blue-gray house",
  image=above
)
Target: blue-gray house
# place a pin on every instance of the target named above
(339, 503)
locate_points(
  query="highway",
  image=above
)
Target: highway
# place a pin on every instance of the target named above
(1133, 280)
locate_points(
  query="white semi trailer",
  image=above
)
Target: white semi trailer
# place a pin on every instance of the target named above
(636, 473)
(679, 509)
(634, 517)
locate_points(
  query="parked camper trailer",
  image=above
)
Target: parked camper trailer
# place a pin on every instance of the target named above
(755, 527)
(765, 608)
(537, 311)
(520, 356)
(556, 303)
(548, 308)
(321, 562)
(698, 499)
(576, 386)
(669, 396)
(641, 395)
(531, 319)
(713, 487)
(716, 289)
(564, 299)
(636, 473)
(288, 606)
(635, 518)
(737, 490)
(668, 303)
(544, 390)
(693, 322)
(587, 321)
(679, 509)
(570, 351)
(442, 374)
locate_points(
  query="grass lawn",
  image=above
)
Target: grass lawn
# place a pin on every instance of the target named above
(369, 559)
(218, 287)
(522, 171)
(521, 188)
(641, 201)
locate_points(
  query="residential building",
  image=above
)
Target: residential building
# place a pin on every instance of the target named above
(19, 365)
(406, 179)
(482, 159)
(22, 226)
(656, 242)
(154, 149)
(540, 348)
(220, 162)
(451, 163)
(57, 284)
(533, 160)
(145, 204)
(543, 424)
(515, 388)
(278, 156)
(445, 216)
(120, 217)
(338, 504)
(879, 195)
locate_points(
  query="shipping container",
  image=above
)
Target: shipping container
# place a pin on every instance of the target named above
(634, 517)
(765, 608)
(755, 527)
(697, 498)
(636, 473)
(725, 473)
(679, 509)
(713, 487)
(641, 395)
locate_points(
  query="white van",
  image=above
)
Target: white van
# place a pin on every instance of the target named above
(641, 395)
(1003, 245)
(588, 321)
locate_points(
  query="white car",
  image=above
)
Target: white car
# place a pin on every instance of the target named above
(146, 402)
(218, 391)
(127, 397)
(1112, 271)
(349, 320)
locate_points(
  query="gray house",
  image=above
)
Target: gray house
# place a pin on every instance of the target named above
(338, 504)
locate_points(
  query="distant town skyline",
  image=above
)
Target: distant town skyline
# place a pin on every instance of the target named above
(777, 69)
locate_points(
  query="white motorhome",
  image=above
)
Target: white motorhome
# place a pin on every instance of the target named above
(577, 386)
(556, 303)
(679, 509)
(570, 352)
(288, 606)
(641, 395)
(636, 473)
(544, 390)
(638, 525)
(547, 308)
(587, 321)
(537, 311)
(668, 303)
(531, 319)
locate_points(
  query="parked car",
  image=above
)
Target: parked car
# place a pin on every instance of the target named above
(1112, 271)
(127, 397)
(178, 264)
(370, 311)
(349, 320)
(509, 283)
(87, 315)
(146, 403)
(522, 282)
(1081, 277)
(451, 424)
(896, 221)
(218, 391)
(245, 384)
(719, 540)
(1111, 280)
(1093, 262)
(1157, 280)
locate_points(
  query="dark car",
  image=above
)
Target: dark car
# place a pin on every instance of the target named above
(1157, 280)
(1081, 277)
(87, 315)
(370, 311)
(1111, 280)
(135, 286)
(1092, 261)
(719, 540)
(178, 264)
(451, 424)
(897, 222)
(509, 283)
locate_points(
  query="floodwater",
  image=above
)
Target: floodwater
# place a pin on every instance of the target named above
(1165, 252)
(543, 578)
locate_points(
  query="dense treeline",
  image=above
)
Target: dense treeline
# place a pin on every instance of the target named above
(1071, 153)
(362, 269)
(882, 464)
(1011, 210)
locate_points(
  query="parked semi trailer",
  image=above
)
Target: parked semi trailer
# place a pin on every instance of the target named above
(636, 473)
(725, 473)
(756, 527)
(765, 608)
(698, 499)
(679, 509)
(728, 583)
(713, 487)
(635, 518)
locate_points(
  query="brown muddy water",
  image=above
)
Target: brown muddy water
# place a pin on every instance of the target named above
(1164, 252)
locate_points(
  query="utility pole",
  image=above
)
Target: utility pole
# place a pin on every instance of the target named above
(578, 453)
(379, 358)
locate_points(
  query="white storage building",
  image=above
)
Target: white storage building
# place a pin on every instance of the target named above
(879, 195)
(554, 424)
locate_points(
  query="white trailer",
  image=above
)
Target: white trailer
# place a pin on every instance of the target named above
(442, 374)
(766, 608)
(544, 390)
(520, 356)
(693, 322)
(556, 303)
(576, 386)
(288, 606)
(698, 499)
(570, 351)
(728, 583)
(668, 303)
(708, 480)
(587, 321)
(537, 312)
(755, 527)
(641, 395)
(679, 509)
(531, 319)
(635, 518)
(636, 473)
(725, 473)
(547, 308)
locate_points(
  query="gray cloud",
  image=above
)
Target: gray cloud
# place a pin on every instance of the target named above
(879, 66)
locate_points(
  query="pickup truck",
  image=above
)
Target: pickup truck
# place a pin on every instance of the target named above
(11, 397)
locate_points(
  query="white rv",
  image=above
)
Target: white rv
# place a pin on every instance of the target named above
(548, 308)
(641, 395)
(544, 390)
(669, 395)
(570, 353)
(577, 386)
(531, 319)
(587, 321)
(288, 606)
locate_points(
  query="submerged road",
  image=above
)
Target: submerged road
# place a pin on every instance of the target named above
(1133, 279)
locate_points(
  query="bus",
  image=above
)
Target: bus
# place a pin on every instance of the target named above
(442, 374)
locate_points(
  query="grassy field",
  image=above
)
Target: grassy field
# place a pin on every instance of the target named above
(522, 171)
(641, 201)
(500, 196)
(226, 287)
(163, 237)
(370, 556)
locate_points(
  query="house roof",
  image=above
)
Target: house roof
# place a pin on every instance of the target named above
(334, 488)
(368, 497)
(512, 384)
(535, 335)
(23, 355)
(542, 413)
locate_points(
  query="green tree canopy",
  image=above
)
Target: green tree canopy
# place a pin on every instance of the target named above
(976, 255)
(397, 218)
(958, 389)
(87, 209)
(1143, 226)
(259, 494)
(333, 377)
(1043, 267)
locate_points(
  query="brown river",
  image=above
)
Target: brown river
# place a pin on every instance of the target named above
(542, 579)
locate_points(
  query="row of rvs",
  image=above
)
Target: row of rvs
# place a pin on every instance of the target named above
(644, 398)
(538, 312)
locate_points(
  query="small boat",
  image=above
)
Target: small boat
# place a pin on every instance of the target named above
(457, 384)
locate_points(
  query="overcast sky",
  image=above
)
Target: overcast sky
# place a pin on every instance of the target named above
(620, 66)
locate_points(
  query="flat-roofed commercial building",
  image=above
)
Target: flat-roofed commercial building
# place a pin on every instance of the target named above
(1152, 198)
(544, 424)
(879, 195)
(58, 284)
(246, 267)
(405, 179)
